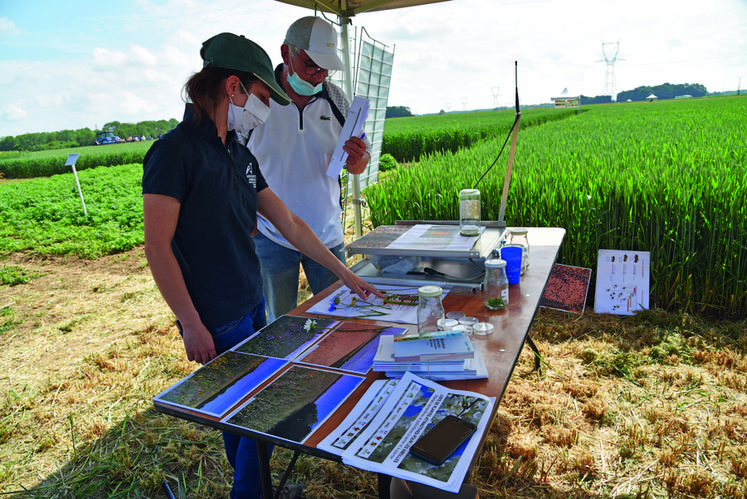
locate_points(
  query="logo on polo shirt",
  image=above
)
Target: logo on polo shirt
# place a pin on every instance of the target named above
(324, 117)
(250, 176)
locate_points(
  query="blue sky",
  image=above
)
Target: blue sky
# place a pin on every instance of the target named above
(80, 63)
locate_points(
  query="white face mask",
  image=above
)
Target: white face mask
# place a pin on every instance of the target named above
(252, 115)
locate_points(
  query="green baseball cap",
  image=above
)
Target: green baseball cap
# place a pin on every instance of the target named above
(230, 51)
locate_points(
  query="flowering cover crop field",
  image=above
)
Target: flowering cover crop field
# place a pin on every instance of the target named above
(668, 177)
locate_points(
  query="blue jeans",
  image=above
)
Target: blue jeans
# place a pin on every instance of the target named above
(280, 271)
(242, 451)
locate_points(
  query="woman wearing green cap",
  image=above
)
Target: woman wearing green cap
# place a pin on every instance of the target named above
(201, 194)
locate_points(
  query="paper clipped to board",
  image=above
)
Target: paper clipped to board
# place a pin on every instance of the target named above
(353, 126)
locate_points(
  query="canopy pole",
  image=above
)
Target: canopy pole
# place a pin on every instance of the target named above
(354, 180)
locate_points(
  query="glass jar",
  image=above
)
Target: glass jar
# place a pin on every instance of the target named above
(518, 237)
(495, 285)
(469, 212)
(430, 308)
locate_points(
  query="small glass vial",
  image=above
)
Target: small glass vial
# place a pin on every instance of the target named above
(469, 212)
(430, 308)
(495, 285)
(518, 237)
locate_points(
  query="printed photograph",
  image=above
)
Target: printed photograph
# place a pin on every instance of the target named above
(219, 385)
(350, 347)
(285, 337)
(465, 407)
(567, 288)
(296, 403)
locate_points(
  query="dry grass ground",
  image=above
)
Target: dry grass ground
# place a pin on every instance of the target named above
(651, 406)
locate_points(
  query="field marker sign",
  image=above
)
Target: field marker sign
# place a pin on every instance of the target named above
(71, 159)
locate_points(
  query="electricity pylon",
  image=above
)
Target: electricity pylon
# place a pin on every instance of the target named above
(609, 76)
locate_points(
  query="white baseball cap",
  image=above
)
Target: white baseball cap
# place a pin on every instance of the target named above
(318, 39)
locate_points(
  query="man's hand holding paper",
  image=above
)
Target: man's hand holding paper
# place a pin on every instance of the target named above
(351, 130)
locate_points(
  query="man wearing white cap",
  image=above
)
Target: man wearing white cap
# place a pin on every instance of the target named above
(293, 149)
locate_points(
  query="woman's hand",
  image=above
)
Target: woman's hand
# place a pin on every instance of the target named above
(358, 285)
(198, 342)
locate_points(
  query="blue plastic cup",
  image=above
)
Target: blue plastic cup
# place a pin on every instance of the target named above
(512, 255)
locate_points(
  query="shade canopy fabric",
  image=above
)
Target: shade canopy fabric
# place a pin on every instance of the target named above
(349, 8)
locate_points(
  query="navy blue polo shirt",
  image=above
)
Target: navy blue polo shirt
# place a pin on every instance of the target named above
(217, 187)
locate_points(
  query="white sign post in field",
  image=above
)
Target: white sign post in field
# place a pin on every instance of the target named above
(71, 159)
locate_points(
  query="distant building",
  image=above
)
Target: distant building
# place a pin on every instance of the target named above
(651, 98)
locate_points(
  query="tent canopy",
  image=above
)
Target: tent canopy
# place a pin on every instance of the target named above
(349, 8)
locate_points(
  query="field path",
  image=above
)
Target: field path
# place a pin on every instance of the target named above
(74, 309)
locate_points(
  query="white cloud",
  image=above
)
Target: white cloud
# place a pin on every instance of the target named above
(8, 27)
(105, 59)
(448, 55)
(141, 56)
(12, 112)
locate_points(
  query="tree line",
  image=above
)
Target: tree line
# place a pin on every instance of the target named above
(664, 91)
(62, 139)
(86, 136)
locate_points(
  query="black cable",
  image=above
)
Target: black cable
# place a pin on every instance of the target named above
(516, 121)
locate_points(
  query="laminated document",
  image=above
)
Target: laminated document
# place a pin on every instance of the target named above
(378, 433)
(353, 126)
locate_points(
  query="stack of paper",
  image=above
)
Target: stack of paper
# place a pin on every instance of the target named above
(439, 356)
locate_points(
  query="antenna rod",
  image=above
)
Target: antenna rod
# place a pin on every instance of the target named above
(511, 151)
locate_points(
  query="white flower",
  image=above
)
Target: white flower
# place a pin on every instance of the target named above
(309, 325)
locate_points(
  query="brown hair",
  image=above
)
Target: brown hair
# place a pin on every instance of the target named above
(203, 89)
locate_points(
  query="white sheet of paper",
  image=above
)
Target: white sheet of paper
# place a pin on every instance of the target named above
(623, 279)
(343, 303)
(443, 237)
(353, 126)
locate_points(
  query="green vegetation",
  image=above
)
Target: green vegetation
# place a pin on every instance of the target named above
(408, 139)
(81, 137)
(45, 215)
(665, 177)
(13, 275)
(16, 164)
(398, 111)
(665, 91)
(647, 406)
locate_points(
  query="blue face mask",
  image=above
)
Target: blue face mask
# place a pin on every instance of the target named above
(302, 87)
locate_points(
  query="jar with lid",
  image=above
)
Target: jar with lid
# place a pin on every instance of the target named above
(430, 308)
(469, 212)
(495, 285)
(518, 237)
